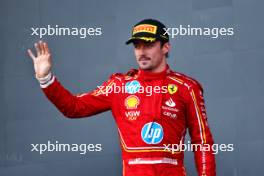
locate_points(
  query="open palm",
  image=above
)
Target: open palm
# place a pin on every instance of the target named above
(42, 61)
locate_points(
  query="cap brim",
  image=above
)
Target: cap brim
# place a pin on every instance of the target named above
(145, 39)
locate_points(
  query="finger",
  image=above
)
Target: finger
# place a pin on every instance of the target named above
(46, 47)
(37, 48)
(31, 54)
(41, 47)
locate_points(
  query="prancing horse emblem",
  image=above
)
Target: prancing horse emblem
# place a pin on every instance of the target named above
(172, 88)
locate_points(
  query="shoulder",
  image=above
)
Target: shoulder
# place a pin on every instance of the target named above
(121, 77)
(185, 80)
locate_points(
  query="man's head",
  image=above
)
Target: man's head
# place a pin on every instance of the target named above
(151, 55)
(151, 44)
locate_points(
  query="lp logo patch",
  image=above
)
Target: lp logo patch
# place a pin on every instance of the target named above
(152, 133)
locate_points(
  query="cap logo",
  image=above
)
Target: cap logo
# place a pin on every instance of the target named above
(145, 28)
(132, 102)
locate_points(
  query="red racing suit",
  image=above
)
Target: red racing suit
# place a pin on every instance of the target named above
(152, 112)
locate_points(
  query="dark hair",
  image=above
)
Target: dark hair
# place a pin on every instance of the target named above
(161, 45)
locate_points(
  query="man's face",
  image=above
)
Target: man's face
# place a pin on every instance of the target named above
(150, 55)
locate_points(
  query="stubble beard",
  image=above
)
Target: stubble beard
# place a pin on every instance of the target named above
(145, 66)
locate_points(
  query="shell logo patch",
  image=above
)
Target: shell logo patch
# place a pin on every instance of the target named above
(132, 102)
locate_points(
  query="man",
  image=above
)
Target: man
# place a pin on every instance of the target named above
(148, 125)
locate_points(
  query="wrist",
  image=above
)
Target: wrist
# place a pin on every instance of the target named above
(46, 80)
(43, 77)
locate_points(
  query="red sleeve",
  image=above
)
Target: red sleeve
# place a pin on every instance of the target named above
(199, 131)
(76, 106)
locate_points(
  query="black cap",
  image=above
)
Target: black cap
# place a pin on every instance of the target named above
(149, 30)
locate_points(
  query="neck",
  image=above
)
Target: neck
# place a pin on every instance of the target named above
(154, 74)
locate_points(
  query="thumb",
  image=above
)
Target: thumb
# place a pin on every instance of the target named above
(31, 54)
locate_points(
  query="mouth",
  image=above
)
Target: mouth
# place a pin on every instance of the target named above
(144, 58)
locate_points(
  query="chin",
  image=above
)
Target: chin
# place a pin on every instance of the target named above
(145, 67)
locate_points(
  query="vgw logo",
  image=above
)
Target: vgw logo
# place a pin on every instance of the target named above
(152, 133)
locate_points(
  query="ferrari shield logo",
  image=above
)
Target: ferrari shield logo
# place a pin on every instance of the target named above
(172, 88)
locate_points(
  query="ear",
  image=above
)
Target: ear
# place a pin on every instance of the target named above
(166, 48)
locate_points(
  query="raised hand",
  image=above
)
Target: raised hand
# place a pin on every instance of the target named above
(42, 61)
